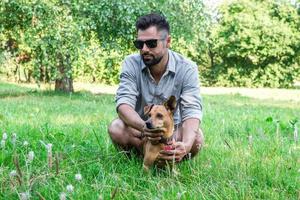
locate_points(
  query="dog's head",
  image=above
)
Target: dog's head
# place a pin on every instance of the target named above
(161, 116)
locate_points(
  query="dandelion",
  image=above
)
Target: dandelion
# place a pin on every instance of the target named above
(49, 155)
(2, 144)
(4, 136)
(24, 195)
(25, 143)
(30, 156)
(62, 196)
(49, 147)
(180, 194)
(14, 138)
(250, 138)
(296, 133)
(70, 188)
(277, 128)
(13, 173)
(78, 177)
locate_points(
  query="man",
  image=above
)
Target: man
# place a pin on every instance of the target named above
(151, 77)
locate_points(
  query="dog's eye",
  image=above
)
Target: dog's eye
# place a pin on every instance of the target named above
(159, 116)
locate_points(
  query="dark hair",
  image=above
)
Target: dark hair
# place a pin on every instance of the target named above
(153, 19)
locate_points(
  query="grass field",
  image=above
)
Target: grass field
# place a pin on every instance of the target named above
(250, 150)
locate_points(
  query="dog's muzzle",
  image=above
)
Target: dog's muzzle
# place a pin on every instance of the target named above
(149, 125)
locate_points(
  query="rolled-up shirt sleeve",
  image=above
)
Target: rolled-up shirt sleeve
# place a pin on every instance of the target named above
(127, 91)
(191, 101)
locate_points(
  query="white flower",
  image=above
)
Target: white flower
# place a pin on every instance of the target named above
(49, 147)
(296, 133)
(2, 143)
(14, 138)
(4, 136)
(250, 138)
(62, 196)
(25, 143)
(30, 156)
(70, 188)
(13, 173)
(78, 177)
(24, 195)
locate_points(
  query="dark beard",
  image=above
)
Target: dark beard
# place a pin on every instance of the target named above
(151, 62)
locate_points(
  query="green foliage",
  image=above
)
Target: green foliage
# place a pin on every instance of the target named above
(253, 43)
(113, 24)
(88, 39)
(97, 65)
(43, 31)
(256, 43)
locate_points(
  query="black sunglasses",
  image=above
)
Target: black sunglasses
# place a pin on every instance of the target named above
(139, 44)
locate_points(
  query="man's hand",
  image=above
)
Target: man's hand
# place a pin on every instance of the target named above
(153, 135)
(175, 152)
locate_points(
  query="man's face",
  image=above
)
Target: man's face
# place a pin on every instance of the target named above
(153, 55)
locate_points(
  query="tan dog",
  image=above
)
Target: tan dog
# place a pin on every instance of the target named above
(160, 120)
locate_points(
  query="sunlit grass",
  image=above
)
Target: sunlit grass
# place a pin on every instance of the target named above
(243, 158)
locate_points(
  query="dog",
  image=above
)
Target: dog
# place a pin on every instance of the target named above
(160, 120)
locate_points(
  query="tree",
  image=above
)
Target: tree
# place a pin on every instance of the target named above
(49, 32)
(256, 43)
(60, 36)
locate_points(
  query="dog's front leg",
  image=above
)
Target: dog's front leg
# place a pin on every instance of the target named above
(150, 155)
(148, 161)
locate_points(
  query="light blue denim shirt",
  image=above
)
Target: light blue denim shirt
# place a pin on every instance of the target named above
(138, 88)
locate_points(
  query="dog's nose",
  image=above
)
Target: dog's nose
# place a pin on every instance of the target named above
(149, 125)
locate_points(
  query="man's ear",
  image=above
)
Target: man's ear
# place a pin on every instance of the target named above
(147, 109)
(171, 103)
(168, 41)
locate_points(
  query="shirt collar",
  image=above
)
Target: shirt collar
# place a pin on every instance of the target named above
(170, 65)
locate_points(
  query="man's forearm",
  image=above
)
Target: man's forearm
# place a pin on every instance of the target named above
(189, 131)
(130, 117)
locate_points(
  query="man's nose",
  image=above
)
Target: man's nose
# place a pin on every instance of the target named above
(145, 48)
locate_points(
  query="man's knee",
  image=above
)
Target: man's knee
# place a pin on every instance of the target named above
(115, 130)
(122, 135)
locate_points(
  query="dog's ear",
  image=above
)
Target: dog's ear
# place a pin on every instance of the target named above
(171, 103)
(147, 109)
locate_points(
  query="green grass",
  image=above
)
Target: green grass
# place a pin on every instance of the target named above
(230, 166)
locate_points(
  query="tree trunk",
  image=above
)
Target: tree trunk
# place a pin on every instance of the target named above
(211, 56)
(42, 76)
(64, 81)
(47, 76)
(28, 75)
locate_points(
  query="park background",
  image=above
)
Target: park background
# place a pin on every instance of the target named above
(59, 66)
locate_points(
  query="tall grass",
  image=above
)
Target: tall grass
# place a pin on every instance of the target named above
(243, 157)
